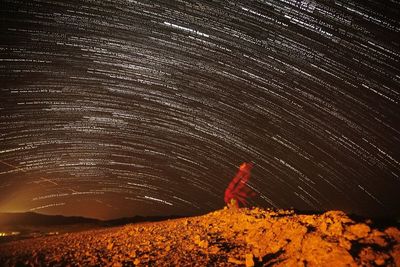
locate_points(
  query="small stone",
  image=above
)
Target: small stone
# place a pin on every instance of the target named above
(393, 233)
(249, 260)
(359, 230)
(203, 244)
(380, 262)
(214, 250)
(235, 261)
(196, 239)
(344, 243)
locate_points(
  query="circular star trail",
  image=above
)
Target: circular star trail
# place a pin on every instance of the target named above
(121, 108)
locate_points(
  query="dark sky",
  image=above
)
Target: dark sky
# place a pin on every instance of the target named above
(122, 108)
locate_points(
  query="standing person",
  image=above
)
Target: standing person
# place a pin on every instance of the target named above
(237, 191)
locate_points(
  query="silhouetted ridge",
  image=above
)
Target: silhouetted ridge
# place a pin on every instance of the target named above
(37, 219)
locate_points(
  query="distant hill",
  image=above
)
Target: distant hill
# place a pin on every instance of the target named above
(41, 220)
(37, 219)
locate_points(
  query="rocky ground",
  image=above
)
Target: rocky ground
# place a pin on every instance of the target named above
(244, 237)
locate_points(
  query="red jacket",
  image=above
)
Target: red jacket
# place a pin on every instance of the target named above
(238, 189)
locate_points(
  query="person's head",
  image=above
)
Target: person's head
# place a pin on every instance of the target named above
(246, 166)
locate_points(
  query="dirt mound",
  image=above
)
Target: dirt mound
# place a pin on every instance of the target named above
(247, 237)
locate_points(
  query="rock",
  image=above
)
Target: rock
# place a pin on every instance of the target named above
(214, 250)
(377, 237)
(393, 233)
(380, 262)
(395, 253)
(203, 244)
(249, 260)
(360, 230)
(344, 243)
(235, 261)
(197, 239)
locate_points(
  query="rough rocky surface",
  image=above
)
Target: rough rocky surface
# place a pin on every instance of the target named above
(228, 237)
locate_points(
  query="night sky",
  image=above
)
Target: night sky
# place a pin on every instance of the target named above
(123, 108)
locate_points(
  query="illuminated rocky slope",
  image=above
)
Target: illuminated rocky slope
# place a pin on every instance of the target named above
(222, 238)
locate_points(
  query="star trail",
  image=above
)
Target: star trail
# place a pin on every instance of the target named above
(122, 108)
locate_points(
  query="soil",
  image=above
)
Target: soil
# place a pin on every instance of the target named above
(228, 237)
